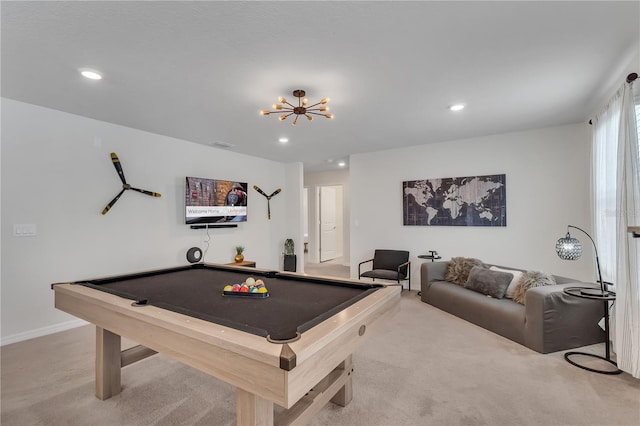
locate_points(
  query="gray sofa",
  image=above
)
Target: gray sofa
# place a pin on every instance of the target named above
(549, 321)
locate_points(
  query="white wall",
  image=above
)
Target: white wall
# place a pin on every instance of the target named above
(57, 174)
(294, 214)
(339, 205)
(547, 178)
(313, 181)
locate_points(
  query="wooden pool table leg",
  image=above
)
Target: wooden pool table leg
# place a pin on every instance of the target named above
(252, 409)
(107, 363)
(335, 387)
(345, 394)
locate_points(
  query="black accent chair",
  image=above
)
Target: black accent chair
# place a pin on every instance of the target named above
(388, 265)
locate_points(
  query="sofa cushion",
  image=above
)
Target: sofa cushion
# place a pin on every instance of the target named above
(486, 281)
(459, 268)
(531, 279)
(517, 276)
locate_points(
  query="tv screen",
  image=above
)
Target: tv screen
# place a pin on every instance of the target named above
(215, 201)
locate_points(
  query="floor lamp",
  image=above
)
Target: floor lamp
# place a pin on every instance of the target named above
(569, 248)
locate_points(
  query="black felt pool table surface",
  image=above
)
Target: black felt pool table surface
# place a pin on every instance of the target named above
(295, 303)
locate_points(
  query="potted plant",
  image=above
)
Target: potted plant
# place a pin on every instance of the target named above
(289, 256)
(239, 256)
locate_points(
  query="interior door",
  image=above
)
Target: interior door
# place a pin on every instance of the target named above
(328, 223)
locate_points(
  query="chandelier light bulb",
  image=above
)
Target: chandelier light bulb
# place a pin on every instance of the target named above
(281, 99)
(282, 117)
(329, 115)
(265, 112)
(309, 117)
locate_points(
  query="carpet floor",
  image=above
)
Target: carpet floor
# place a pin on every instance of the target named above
(423, 367)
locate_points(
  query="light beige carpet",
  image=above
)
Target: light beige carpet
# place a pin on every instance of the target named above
(425, 367)
(330, 269)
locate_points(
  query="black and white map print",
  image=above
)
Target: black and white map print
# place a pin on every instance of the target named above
(461, 201)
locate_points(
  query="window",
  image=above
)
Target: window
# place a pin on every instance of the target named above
(606, 133)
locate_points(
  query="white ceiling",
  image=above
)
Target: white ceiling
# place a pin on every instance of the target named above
(201, 71)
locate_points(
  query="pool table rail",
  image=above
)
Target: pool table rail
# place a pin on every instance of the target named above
(206, 346)
(326, 345)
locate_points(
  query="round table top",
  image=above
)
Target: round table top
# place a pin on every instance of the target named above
(590, 293)
(429, 256)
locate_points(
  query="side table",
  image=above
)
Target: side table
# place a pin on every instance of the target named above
(246, 263)
(594, 294)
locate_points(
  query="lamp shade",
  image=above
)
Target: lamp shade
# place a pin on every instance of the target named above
(568, 248)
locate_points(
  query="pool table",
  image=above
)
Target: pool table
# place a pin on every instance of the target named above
(291, 346)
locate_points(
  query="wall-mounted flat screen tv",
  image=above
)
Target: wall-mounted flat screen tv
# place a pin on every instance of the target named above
(215, 201)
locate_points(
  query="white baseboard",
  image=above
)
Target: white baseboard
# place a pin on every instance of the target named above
(39, 332)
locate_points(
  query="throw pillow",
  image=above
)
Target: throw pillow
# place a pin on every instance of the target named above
(459, 268)
(531, 279)
(486, 281)
(517, 276)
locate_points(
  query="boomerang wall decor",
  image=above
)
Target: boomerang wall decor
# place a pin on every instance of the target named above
(268, 197)
(125, 185)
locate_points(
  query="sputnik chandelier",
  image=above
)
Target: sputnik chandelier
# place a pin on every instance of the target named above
(308, 111)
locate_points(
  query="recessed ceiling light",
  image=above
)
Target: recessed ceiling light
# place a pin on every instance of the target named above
(342, 164)
(283, 140)
(456, 107)
(91, 74)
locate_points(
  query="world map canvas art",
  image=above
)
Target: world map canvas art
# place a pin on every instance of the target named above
(459, 201)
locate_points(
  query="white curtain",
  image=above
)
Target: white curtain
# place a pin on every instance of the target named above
(616, 199)
(627, 316)
(606, 128)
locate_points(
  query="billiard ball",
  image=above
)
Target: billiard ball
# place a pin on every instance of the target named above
(228, 288)
(250, 281)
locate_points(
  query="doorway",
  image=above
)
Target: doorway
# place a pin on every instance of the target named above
(330, 222)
